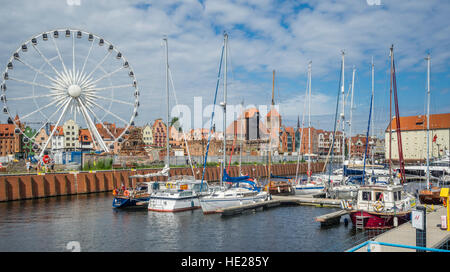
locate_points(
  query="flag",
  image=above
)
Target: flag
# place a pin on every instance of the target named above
(434, 138)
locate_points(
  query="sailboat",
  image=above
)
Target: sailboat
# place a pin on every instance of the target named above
(232, 193)
(312, 185)
(346, 187)
(430, 195)
(275, 187)
(382, 206)
(180, 193)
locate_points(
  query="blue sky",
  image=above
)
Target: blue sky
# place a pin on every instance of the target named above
(264, 35)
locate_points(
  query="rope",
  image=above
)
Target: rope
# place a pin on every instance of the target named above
(184, 134)
(212, 118)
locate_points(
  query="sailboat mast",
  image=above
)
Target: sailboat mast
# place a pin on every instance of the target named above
(167, 101)
(271, 125)
(343, 112)
(428, 58)
(309, 122)
(225, 42)
(390, 113)
(351, 117)
(373, 94)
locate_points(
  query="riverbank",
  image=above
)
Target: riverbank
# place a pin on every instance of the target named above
(29, 186)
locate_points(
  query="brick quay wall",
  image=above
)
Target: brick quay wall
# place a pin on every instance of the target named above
(29, 186)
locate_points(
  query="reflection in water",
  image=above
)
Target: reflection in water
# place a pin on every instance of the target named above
(50, 224)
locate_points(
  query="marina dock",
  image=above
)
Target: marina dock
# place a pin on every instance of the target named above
(281, 201)
(405, 234)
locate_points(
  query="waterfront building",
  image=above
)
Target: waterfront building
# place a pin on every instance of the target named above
(325, 140)
(9, 141)
(133, 145)
(414, 137)
(287, 140)
(85, 140)
(159, 133)
(147, 135)
(109, 131)
(71, 135)
(57, 140)
(304, 147)
(41, 138)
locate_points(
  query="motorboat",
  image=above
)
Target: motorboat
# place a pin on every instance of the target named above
(380, 206)
(181, 193)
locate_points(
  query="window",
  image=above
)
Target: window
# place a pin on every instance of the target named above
(379, 196)
(366, 196)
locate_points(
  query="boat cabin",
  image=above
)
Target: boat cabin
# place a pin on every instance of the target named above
(382, 198)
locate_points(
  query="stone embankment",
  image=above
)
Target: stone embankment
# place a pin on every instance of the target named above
(29, 186)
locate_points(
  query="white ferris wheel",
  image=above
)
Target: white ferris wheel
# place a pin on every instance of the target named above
(69, 74)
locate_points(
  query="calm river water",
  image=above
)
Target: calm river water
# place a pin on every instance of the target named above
(50, 224)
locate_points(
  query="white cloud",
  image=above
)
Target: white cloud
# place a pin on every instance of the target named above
(264, 35)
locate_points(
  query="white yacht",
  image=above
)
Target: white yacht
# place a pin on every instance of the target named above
(180, 194)
(231, 197)
(315, 185)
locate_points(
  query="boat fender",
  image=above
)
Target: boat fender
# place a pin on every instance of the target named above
(115, 192)
(126, 193)
(278, 189)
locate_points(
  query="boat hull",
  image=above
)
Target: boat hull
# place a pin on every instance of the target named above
(373, 220)
(216, 205)
(430, 197)
(167, 204)
(123, 202)
(308, 190)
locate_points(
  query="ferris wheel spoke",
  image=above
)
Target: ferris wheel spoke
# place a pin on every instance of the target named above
(32, 97)
(73, 54)
(54, 129)
(46, 60)
(103, 125)
(107, 75)
(109, 99)
(94, 89)
(85, 61)
(97, 66)
(91, 126)
(49, 118)
(36, 70)
(59, 54)
(35, 84)
(107, 111)
(42, 108)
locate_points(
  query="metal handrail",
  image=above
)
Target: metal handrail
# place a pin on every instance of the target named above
(368, 243)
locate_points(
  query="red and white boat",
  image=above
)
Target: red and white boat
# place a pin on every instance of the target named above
(380, 206)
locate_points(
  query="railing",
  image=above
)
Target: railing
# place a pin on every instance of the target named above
(369, 243)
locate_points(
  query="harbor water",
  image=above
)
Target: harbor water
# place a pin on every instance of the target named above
(51, 224)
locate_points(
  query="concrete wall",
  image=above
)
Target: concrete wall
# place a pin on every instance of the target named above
(18, 187)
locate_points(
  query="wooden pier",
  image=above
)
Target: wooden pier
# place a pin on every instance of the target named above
(281, 201)
(331, 218)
